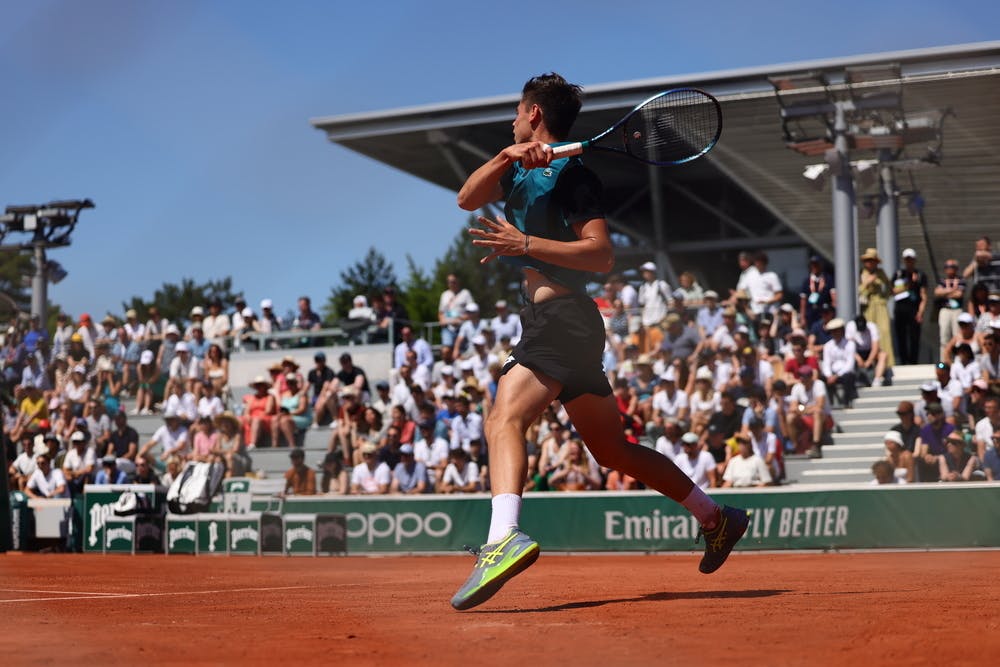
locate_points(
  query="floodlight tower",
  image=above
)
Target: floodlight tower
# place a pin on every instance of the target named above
(50, 226)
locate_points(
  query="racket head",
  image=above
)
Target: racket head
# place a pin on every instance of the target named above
(672, 127)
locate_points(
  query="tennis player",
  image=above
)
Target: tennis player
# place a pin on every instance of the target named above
(555, 230)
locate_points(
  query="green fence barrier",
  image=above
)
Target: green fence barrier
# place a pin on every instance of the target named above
(916, 516)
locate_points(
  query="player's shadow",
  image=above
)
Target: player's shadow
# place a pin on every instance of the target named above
(665, 596)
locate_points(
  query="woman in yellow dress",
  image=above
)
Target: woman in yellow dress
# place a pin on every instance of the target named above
(874, 289)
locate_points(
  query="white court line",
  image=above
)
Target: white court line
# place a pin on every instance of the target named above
(115, 596)
(32, 590)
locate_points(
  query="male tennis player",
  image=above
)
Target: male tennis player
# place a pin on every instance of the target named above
(557, 233)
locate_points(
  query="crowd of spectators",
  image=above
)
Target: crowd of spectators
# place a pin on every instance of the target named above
(727, 386)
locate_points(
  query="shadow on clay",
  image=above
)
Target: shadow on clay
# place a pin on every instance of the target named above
(654, 597)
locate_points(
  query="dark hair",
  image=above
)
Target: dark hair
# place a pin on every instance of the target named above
(559, 100)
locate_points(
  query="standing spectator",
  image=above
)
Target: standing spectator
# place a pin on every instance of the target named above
(148, 376)
(983, 267)
(300, 479)
(654, 298)
(839, 363)
(765, 289)
(949, 295)
(748, 273)
(909, 289)
(452, 304)
(746, 468)
(409, 476)
(268, 322)
(817, 289)
(61, 336)
(874, 289)
(216, 325)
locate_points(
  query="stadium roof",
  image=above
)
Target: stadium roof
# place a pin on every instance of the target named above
(750, 191)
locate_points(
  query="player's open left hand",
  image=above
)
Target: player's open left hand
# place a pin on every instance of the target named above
(501, 237)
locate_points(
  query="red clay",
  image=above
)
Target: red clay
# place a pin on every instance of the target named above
(760, 609)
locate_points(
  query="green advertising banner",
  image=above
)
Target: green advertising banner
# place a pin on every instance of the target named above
(922, 516)
(98, 501)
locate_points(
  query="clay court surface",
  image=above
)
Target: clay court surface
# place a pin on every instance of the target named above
(761, 609)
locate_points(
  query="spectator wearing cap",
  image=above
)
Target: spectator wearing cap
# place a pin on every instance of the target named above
(818, 334)
(670, 403)
(180, 401)
(382, 400)
(409, 476)
(472, 325)
(709, 317)
(931, 444)
(185, 367)
(505, 324)
(695, 462)
(466, 425)
(78, 355)
(198, 345)
(949, 298)
(909, 290)
(148, 376)
(245, 335)
(723, 334)
(451, 306)
(61, 335)
(681, 339)
(236, 318)
(481, 359)
(259, 409)
(874, 290)
(300, 479)
(898, 457)
(79, 462)
(907, 426)
(817, 289)
(654, 299)
(868, 353)
(949, 390)
(783, 324)
(370, 477)
(109, 472)
(703, 398)
(965, 335)
(838, 365)
(965, 370)
(410, 341)
(88, 334)
(269, 322)
(134, 335)
(197, 318)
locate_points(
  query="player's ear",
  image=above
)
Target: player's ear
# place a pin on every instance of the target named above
(535, 114)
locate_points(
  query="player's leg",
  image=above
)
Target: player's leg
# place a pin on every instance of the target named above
(597, 421)
(522, 395)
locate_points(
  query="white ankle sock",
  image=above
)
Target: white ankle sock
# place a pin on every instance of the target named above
(506, 512)
(702, 507)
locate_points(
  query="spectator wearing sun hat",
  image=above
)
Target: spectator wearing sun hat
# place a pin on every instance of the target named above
(874, 290)
(259, 408)
(370, 477)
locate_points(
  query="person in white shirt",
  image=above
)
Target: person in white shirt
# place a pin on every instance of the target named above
(216, 325)
(506, 324)
(868, 353)
(172, 437)
(461, 475)
(746, 468)
(748, 273)
(451, 305)
(653, 295)
(78, 464)
(46, 481)
(669, 402)
(809, 412)
(671, 443)
(431, 450)
(765, 445)
(185, 366)
(764, 288)
(987, 426)
(466, 425)
(696, 463)
(838, 365)
(370, 477)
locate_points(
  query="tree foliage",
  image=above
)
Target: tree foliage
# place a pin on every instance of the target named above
(486, 282)
(16, 268)
(367, 277)
(175, 301)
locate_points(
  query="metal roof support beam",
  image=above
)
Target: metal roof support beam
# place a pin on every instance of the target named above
(711, 208)
(887, 225)
(441, 142)
(664, 267)
(717, 245)
(845, 231)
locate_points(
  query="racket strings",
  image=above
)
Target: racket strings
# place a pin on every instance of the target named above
(675, 127)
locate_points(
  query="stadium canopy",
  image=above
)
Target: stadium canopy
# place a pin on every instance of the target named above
(751, 192)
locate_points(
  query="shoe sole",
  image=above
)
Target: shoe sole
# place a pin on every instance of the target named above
(487, 591)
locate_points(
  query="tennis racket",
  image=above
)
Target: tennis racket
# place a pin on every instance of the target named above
(672, 127)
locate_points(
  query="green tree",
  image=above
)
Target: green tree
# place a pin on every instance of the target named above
(16, 269)
(418, 295)
(175, 301)
(486, 282)
(368, 277)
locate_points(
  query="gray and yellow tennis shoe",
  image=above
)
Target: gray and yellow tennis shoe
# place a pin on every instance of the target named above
(496, 564)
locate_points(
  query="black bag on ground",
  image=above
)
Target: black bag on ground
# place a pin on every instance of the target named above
(194, 488)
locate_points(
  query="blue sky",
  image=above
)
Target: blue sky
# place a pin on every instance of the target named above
(188, 125)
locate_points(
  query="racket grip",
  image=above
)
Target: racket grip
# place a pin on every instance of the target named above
(566, 150)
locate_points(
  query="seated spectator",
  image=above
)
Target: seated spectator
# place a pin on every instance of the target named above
(765, 445)
(205, 441)
(931, 444)
(431, 450)
(300, 479)
(988, 426)
(949, 391)
(799, 360)
(703, 399)
(175, 464)
(957, 464)
(185, 368)
(695, 462)
(729, 418)
(898, 457)
(809, 418)
(144, 472)
(709, 317)
(215, 369)
(883, 472)
(669, 402)
(180, 401)
(975, 406)
(965, 369)
(409, 476)
(172, 437)
(335, 480)
(682, 340)
(577, 471)
(838, 364)
(98, 425)
(324, 391)
(461, 475)
(231, 445)
(869, 356)
(294, 414)
(79, 463)
(991, 461)
(77, 390)
(107, 388)
(147, 377)
(24, 465)
(670, 444)
(817, 335)
(46, 481)
(210, 404)
(907, 426)
(989, 362)
(746, 468)
(109, 472)
(259, 408)
(370, 477)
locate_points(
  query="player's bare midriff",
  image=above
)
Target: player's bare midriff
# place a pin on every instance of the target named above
(540, 287)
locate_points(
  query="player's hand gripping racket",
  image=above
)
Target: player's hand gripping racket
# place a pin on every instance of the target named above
(672, 127)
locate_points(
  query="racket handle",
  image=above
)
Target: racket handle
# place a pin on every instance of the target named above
(567, 150)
